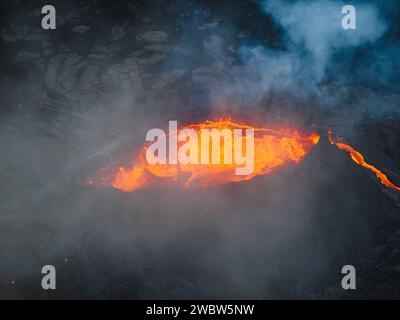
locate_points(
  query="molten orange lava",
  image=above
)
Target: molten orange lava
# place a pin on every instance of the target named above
(359, 159)
(273, 149)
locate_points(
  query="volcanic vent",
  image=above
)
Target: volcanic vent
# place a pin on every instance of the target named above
(273, 149)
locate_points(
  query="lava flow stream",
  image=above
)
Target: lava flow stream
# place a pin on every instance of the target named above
(273, 149)
(359, 159)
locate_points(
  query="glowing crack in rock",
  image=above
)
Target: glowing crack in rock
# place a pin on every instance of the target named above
(358, 158)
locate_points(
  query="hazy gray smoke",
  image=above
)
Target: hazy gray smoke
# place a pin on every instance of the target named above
(314, 51)
(314, 29)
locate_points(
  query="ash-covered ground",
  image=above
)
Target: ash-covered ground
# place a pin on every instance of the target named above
(78, 97)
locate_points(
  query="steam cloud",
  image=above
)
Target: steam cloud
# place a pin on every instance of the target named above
(316, 50)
